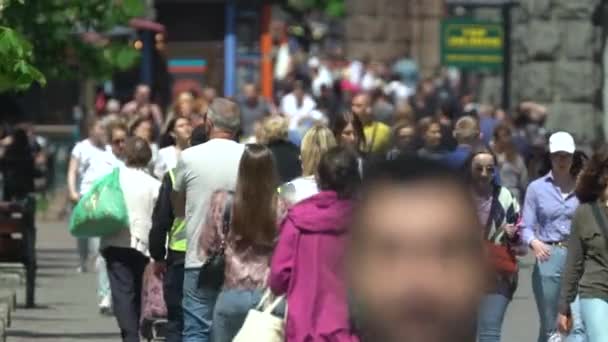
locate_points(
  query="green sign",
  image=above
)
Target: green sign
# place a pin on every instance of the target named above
(471, 44)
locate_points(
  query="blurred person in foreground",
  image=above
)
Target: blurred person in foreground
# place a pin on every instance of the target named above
(286, 154)
(498, 212)
(377, 134)
(586, 270)
(548, 209)
(307, 264)
(418, 279)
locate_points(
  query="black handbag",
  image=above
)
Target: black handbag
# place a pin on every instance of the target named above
(211, 275)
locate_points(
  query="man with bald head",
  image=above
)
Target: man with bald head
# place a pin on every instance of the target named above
(202, 170)
(377, 134)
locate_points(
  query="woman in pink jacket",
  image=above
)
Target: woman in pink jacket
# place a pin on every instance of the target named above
(307, 264)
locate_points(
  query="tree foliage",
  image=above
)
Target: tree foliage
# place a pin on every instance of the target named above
(333, 8)
(67, 39)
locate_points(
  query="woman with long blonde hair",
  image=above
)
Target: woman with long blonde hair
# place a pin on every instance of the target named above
(318, 140)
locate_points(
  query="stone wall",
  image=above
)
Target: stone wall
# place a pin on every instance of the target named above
(389, 29)
(556, 61)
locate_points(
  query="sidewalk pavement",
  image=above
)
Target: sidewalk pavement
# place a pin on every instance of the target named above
(66, 302)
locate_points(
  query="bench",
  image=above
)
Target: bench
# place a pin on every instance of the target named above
(18, 240)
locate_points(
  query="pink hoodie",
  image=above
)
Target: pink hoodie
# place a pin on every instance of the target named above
(308, 265)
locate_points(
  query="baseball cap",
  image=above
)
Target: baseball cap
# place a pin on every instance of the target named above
(561, 142)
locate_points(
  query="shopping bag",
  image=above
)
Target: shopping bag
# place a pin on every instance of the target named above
(153, 307)
(152, 299)
(263, 326)
(102, 211)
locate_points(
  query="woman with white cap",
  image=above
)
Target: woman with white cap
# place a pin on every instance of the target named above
(548, 209)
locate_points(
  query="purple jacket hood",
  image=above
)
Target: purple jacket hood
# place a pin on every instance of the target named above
(321, 213)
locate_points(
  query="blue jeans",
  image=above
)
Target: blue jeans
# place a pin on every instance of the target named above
(490, 317)
(546, 283)
(594, 312)
(198, 306)
(230, 312)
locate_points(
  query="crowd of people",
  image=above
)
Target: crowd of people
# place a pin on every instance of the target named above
(357, 197)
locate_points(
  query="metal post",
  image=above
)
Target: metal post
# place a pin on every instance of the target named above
(147, 38)
(230, 50)
(266, 76)
(506, 68)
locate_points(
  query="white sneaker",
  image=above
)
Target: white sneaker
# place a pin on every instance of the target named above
(105, 307)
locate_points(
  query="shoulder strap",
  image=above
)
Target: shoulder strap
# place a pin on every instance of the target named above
(600, 218)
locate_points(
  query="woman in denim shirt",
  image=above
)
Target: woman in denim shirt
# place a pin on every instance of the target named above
(548, 210)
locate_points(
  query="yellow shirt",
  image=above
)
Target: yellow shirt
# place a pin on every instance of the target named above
(377, 137)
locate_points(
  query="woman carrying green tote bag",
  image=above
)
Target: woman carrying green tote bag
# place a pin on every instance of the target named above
(101, 211)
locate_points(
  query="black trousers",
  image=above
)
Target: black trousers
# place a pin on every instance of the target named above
(125, 270)
(173, 293)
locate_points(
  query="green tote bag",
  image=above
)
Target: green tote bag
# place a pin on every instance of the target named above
(102, 211)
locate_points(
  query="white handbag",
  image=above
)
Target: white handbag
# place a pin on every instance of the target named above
(261, 325)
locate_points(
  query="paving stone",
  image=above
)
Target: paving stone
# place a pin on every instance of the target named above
(9, 297)
(8, 281)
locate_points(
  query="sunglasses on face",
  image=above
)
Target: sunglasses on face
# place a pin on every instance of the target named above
(118, 141)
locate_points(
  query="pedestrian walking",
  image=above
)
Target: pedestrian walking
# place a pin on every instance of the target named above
(179, 130)
(286, 154)
(547, 213)
(498, 212)
(377, 134)
(18, 167)
(415, 216)
(316, 142)
(249, 233)
(126, 251)
(348, 131)
(512, 167)
(467, 135)
(142, 127)
(430, 132)
(201, 171)
(168, 241)
(586, 270)
(90, 160)
(307, 265)
(404, 139)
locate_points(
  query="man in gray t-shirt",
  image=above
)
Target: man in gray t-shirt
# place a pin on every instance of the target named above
(202, 170)
(253, 109)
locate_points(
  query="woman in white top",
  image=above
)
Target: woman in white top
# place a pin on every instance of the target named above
(179, 130)
(126, 252)
(316, 142)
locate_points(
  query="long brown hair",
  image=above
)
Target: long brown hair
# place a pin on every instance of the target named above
(254, 219)
(593, 180)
